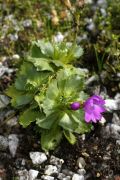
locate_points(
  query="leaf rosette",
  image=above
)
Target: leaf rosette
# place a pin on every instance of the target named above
(45, 86)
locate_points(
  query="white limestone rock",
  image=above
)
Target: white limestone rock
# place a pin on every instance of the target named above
(38, 157)
(33, 174)
(13, 143)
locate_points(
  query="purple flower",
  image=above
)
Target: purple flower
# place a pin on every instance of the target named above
(75, 106)
(94, 107)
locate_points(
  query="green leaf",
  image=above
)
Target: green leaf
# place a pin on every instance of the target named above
(28, 117)
(19, 98)
(46, 122)
(52, 94)
(29, 79)
(83, 127)
(35, 51)
(51, 138)
(41, 64)
(46, 48)
(67, 122)
(70, 137)
(77, 52)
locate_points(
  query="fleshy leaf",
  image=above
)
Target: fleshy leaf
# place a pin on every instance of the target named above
(51, 138)
(47, 122)
(70, 137)
(19, 98)
(28, 117)
(41, 64)
(67, 122)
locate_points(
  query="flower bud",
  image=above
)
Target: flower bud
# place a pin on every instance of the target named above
(75, 106)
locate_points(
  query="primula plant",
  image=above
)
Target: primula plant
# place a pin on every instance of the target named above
(49, 91)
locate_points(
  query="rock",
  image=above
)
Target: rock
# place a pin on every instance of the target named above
(12, 122)
(81, 171)
(118, 142)
(16, 57)
(117, 96)
(116, 119)
(27, 23)
(67, 178)
(38, 157)
(67, 172)
(45, 177)
(61, 176)
(23, 174)
(115, 131)
(111, 104)
(50, 170)
(57, 162)
(3, 143)
(78, 177)
(20, 163)
(33, 174)
(59, 37)
(111, 130)
(4, 101)
(91, 80)
(81, 162)
(13, 144)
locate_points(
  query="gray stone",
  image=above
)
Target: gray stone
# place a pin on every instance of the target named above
(67, 172)
(23, 174)
(115, 131)
(27, 23)
(111, 130)
(38, 157)
(61, 176)
(12, 122)
(4, 101)
(16, 57)
(13, 143)
(81, 171)
(116, 119)
(118, 142)
(45, 177)
(59, 37)
(91, 80)
(111, 104)
(57, 162)
(50, 170)
(78, 177)
(67, 178)
(3, 143)
(81, 162)
(33, 174)
(117, 96)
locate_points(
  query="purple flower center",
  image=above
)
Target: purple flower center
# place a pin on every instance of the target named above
(75, 106)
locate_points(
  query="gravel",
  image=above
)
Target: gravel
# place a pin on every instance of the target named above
(38, 157)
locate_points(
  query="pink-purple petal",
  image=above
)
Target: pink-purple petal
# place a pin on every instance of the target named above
(94, 107)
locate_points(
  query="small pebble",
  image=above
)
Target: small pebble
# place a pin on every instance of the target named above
(38, 157)
(13, 143)
(67, 172)
(50, 170)
(3, 143)
(81, 171)
(45, 177)
(23, 174)
(61, 176)
(78, 177)
(33, 174)
(81, 162)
